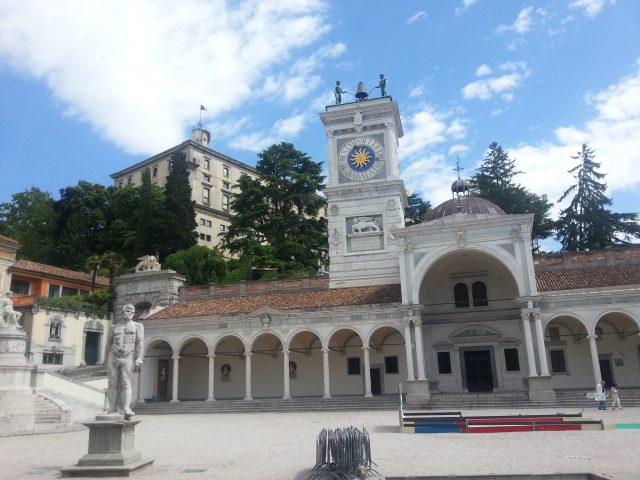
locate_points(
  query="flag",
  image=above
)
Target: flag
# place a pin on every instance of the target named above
(202, 108)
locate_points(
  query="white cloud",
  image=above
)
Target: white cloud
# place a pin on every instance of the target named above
(425, 171)
(612, 134)
(483, 70)
(417, 17)
(282, 130)
(488, 87)
(527, 19)
(139, 79)
(418, 91)
(465, 4)
(590, 8)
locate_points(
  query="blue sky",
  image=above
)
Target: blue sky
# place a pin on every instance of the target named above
(88, 88)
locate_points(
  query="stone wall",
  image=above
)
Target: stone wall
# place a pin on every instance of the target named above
(243, 288)
(596, 258)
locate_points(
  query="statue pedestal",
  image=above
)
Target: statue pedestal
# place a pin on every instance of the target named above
(540, 389)
(111, 452)
(17, 400)
(418, 392)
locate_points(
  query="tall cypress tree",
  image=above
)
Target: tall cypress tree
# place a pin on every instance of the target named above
(494, 182)
(586, 223)
(148, 224)
(179, 223)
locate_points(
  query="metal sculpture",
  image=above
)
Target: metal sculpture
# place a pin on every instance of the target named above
(340, 451)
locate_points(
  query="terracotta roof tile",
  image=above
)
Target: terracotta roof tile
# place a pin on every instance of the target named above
(41, 268)
(10, 240)
(338, 297)
(590, 277)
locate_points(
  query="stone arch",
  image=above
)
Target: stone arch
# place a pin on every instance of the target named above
(157, 369)
(267, 365)
(387, 358)
(229, 366)
(193, 378)
(305, 348)
(437, 255)
(346, 360)
(618, 347)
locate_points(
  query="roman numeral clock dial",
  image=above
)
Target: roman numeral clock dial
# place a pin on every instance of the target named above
(360, 158)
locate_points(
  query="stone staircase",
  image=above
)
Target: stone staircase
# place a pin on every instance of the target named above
(47, 412)
(630, 397)
(262, 405)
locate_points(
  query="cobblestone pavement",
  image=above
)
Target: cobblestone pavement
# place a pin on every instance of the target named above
(282, 446)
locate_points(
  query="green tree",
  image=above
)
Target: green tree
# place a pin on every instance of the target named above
(200, 265)
(277, 220)
(83, 222)
(113, 262)
(417, 210)
(494, 182)
(586, 223)
(31, 220)
(149, 222)
(92, 264)
(179, 222)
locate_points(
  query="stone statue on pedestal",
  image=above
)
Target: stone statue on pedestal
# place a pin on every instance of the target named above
(147, 263)
(10, 317)
(125, 346)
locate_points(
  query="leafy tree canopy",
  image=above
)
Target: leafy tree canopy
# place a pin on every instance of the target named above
(200, 265)
(494, 182)
(83, 214)
(586, 223)
(277, 222)
(31, 220)
(417, 210)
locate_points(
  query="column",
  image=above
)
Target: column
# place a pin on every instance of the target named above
(528, 344)
(325, 371)
(498, 356)
(367, 373)
(83, 351)
(595, 360)
(247, 384)
(457, 367)
(417, 330)
(210, 397)
(287, 390)
(407, 349)
(542, 353)
(140, 391)
(176, 367)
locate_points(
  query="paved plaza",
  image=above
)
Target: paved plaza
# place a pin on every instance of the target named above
(282, 446)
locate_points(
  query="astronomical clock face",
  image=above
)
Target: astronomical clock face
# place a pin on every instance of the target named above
(360, 158)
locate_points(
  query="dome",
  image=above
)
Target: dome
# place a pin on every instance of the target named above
(460, 186)
(471, 207)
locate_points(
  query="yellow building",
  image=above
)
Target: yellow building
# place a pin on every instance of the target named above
(211, 173)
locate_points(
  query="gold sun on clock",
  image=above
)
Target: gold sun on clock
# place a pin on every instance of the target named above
(360, 158)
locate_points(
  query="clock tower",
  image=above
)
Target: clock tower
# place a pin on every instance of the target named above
(365, 195)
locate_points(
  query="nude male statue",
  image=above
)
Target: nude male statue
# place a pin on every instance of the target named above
(125, 346)
(9, 316)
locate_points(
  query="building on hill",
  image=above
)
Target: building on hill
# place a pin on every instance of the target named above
(456, 304)
(57, 336)
(212, 175)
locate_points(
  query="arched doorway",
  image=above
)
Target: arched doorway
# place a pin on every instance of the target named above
(388, 366)
(229, 368)
(193, 376)
(157, 371)
(306, 359)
